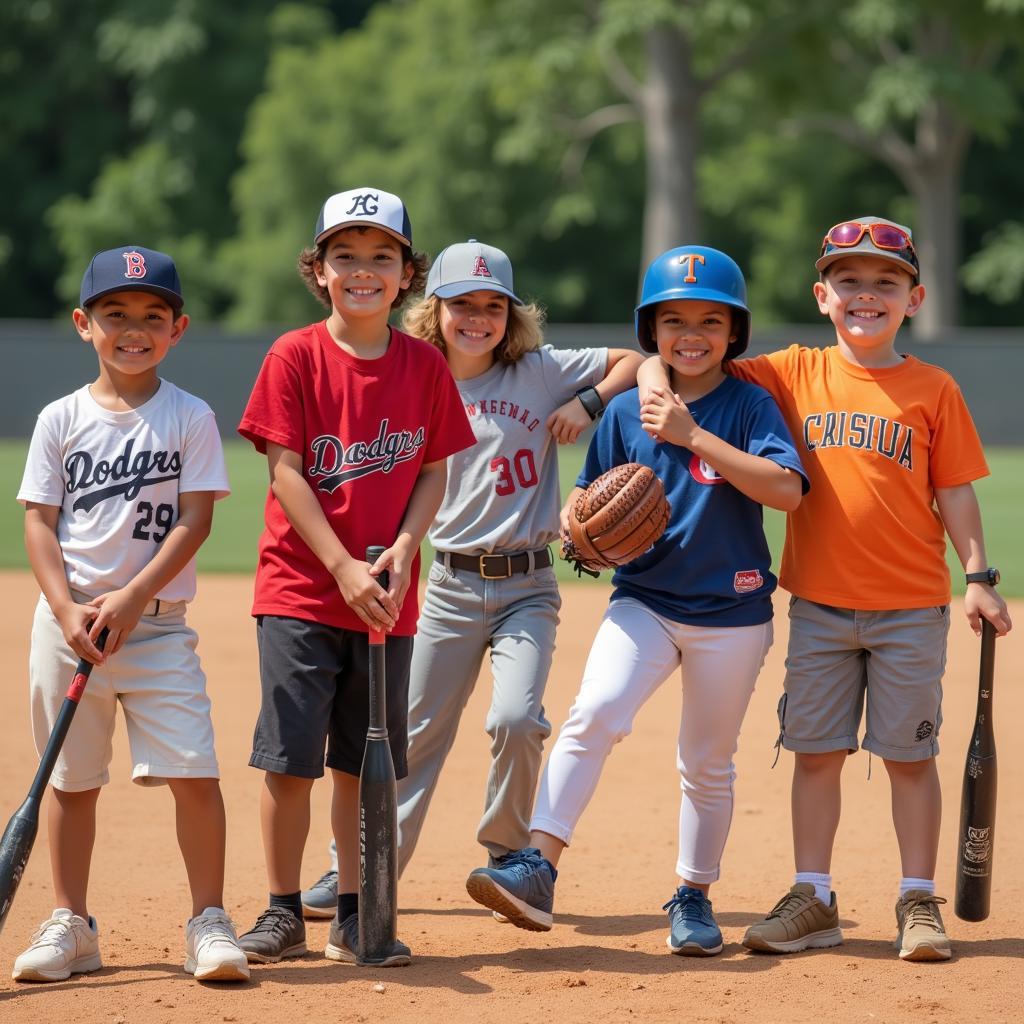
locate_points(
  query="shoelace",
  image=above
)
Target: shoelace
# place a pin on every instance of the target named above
(921, 910)
(693, 906)
(274, 919)
(520, 861)
(213, 929)
(328, 880)
(792, 901)
(51, 932)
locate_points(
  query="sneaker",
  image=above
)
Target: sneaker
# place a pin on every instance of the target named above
(921, 932)
(321, 900)
(343, 946)
(798, 921)
(692, 927)
(65, 944)
(277, 934)
(211, 948)
(522, 889)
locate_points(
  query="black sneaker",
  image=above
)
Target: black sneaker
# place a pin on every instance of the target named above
(343, 946)
(277, 934)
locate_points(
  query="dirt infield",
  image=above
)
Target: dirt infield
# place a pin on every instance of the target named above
(605, 960)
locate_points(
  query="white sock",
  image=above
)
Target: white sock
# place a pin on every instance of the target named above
(822, 884)
(906, 884)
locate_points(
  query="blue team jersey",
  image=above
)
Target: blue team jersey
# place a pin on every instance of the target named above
(712, 565)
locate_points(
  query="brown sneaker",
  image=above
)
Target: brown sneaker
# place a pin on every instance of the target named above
(798, 921)
(922, 935)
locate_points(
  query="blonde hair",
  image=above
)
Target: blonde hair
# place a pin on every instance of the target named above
(312, 255)
(523, 332)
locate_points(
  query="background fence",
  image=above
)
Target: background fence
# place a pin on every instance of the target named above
(45, 360)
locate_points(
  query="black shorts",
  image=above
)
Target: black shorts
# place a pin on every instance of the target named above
(315, 684)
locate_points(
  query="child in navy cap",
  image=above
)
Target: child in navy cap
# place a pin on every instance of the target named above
(118, 492)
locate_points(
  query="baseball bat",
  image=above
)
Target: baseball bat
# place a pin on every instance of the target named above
(20, 834)
(378, 814)
(978, 799)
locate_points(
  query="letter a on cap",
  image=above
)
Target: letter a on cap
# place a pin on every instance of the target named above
(480, 268)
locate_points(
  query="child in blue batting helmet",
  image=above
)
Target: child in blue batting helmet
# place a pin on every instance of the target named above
(699, 600)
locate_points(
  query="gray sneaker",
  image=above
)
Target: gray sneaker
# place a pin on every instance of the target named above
(321, 899)
(277, 935)
(343, 946)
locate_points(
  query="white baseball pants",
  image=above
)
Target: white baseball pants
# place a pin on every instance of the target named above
(634, 652)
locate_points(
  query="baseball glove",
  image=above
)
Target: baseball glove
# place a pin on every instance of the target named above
(616, 519)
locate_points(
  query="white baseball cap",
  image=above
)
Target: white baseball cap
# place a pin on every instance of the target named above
(370, 207)
(470, 267)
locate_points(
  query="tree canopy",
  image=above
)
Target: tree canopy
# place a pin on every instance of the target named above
(582, 136)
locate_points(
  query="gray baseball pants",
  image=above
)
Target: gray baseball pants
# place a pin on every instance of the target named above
(464, 617)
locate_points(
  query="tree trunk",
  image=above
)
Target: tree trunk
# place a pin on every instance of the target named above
(936, 194)
(671, 98)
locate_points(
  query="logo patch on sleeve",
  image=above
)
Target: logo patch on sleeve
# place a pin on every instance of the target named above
(747, 580)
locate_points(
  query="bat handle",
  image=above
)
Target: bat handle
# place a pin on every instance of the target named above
(988, 652)
(63, 722)
(372, 554)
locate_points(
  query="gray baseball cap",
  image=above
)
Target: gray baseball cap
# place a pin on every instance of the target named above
(878, 237)
(372, 207)
(470, 267)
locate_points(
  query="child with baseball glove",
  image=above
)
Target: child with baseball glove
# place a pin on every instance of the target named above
(118, 491)
(890, 449)
(698, 601)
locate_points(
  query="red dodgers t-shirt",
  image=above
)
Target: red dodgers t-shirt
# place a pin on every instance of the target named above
(364, 428)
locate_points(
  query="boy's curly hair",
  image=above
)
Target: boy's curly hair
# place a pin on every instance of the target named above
(315, 254)
(523, 332)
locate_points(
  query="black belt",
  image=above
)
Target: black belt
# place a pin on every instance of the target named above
(496, 567)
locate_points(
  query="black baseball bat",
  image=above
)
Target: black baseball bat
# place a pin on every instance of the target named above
(978, 800)
(20, 834)
(378, 814)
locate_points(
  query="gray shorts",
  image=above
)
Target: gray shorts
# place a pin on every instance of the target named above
(840, 660)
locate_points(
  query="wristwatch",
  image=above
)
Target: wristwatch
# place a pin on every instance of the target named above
(591, 401)
(989, 576)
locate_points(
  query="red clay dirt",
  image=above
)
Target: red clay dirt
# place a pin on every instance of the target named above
(606, 958)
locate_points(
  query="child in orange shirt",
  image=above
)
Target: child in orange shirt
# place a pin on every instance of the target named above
(890, 450)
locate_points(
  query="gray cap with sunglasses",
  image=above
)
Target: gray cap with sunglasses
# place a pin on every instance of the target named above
(870, 236)
(470, 267)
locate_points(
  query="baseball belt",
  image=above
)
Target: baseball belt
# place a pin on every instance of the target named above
(496, 567)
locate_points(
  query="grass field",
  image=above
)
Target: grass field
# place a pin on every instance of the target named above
(239, 518)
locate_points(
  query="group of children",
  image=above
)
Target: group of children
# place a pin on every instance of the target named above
(375, 436)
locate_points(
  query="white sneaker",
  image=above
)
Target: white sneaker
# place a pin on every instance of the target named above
(211, 948)
(66, 944)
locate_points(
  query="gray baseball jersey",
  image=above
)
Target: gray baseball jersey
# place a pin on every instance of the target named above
(502, 493)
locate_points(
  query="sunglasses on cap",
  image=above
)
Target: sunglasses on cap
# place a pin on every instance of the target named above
(888, 237)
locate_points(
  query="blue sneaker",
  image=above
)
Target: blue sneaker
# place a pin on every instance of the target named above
(693, 931)
(321, 899)
(520, 887)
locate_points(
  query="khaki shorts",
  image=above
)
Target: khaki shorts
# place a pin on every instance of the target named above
(157, 678)
(841, 660)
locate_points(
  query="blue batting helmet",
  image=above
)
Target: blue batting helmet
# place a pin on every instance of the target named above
(694, 272)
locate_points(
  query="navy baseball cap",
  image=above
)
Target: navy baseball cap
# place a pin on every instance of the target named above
(369, 207)
(132, 268)
(470, 267)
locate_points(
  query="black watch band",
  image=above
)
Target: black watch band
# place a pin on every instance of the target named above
(591, 401)
(989, 576)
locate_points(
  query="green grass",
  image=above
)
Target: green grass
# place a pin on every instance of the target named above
(239, 518)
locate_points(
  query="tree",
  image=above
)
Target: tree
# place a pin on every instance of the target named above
(922, 74)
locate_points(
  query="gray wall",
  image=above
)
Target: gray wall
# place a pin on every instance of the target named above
(46, 360)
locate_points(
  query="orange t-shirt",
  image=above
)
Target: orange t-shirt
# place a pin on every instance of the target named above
(875, 443)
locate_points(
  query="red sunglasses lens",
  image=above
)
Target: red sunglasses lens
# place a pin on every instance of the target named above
(886, 237)
(846, 234)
